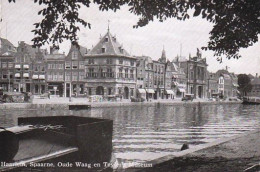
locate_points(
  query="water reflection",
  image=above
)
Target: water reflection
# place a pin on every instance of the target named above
(144, 133)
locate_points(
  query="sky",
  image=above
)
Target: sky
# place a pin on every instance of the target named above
(177, 37)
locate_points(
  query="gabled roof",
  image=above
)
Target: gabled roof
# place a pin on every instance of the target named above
(55, 56)
(83, 50)
(7, 48)
(112, 47)
(255, 81)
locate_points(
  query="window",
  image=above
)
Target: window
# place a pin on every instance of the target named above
(81, 65)
(103, 50)
(91, 72)
(81, 76)
(132, 74)
(10, 65)
(132, 62)
(91, 61)
(75, 55)
(55, 77)
(109, 61)
(67, 65)
(74, 76)
(4, 64)
(109, 91)
(120, 61)
(126, 73)
(191, 75)
(60, 76)
(109, 73)
(43, 69)
(67, 77)
(50, 76)
(120, 73)
(106, 39)
(74, 65)
(121, 50)
(4, 76)
(49, 66)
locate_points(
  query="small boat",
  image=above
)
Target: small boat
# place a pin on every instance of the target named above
(79, 107)
(56, 142)
(251, 100)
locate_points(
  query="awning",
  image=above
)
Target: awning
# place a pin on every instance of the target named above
(142, 91)
(182, 90)
(17, 66)
(235, 85)
(35, 77)
(17, 75)
(169, 92)
(26, 66)
(41, 76)
(26, 75)
(150, 91)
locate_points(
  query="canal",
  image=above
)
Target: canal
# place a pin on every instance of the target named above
(144, 133)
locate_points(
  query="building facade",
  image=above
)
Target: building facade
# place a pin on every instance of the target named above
(227, 83)
(255, 91)
(23, 67)
(38, 76)
(55, 73)
(195, 69)
(75, 77)
(110, 69)
(6, 72)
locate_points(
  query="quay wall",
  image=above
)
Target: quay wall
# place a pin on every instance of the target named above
(65, 106)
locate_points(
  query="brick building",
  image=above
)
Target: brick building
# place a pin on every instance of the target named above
(55, 73)
(195, 69)
(75, 77)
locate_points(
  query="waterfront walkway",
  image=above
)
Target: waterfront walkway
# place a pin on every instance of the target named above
(80, 100)
(233, 154)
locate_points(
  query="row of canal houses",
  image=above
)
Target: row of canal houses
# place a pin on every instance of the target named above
(108, 69)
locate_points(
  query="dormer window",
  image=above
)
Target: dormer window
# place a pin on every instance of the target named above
(106, 39)
(103, 50)
(121, 50)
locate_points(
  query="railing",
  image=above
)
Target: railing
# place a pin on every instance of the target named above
(101, 75)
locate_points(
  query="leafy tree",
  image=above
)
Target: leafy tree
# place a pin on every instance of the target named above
(236, 22)
(244, 83)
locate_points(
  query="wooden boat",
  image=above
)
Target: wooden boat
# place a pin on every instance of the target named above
(79, 107)
(251, 100)
(56, 143)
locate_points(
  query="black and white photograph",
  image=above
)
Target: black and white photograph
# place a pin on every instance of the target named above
(129, 86)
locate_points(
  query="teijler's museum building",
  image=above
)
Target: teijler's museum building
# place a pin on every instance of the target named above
(110, 69)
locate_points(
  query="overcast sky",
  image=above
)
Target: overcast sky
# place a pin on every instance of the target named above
(149, 40)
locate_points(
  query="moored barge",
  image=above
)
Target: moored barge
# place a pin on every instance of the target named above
(55, 142)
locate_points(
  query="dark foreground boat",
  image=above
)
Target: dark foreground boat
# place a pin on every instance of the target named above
(57, 143)
(251, 100)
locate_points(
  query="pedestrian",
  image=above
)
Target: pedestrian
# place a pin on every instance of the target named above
(49, 95)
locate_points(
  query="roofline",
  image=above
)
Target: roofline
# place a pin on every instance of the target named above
(105, 55)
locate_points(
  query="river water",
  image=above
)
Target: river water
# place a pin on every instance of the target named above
(144, 133)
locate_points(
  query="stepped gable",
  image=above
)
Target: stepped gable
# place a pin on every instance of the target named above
(111, 46)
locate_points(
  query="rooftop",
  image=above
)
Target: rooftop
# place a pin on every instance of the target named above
(108, 45)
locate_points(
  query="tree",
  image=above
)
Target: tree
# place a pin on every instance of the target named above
(244, 83)
(236, 22)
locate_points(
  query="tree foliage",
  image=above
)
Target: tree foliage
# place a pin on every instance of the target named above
(236, 23)
(244, 83)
